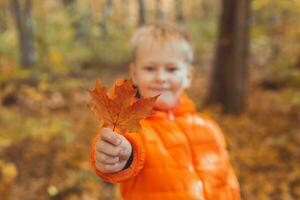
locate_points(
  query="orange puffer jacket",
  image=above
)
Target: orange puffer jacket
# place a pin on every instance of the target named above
(179, 155)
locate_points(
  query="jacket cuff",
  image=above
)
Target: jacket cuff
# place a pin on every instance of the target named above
(135, 167)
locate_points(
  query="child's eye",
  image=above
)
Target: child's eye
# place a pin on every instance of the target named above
(149, 68)
(172, 69)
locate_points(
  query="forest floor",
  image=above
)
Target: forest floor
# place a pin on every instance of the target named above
(46, 133)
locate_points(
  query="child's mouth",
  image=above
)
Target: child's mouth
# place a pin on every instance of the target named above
(160, 90)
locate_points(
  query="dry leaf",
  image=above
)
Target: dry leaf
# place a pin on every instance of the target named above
(120, 109)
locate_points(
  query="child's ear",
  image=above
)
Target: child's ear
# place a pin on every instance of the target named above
(132, 72)
(190, 74)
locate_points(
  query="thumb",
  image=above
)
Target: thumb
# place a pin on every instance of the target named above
(110, 136)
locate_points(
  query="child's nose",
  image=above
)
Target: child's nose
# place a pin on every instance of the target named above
(161, 76)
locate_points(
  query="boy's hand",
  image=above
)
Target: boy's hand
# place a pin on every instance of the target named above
(112, 151)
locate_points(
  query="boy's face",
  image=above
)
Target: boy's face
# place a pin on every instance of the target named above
(161, 70)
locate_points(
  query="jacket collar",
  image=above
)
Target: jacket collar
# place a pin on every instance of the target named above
(185, 105)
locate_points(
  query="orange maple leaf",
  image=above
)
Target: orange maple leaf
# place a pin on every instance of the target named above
(120, 109)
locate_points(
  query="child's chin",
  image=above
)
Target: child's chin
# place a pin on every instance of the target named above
(165, 104)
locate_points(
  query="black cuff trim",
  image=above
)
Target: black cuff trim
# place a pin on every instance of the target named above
(129, 161)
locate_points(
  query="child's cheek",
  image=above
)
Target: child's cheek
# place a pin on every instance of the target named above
(146, 92)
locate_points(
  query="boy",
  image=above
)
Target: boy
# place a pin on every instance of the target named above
(179, 154)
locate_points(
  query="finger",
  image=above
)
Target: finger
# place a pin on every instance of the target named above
(107, 148)
(106, 159)
(111, 168)
(110, 136)
(99, 166)
(107, 168)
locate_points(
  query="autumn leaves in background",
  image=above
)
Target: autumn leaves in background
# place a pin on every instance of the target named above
(120, 110)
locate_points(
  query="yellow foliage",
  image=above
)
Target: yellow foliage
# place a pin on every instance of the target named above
(52, 190)
(9, 172)
(55, 57)
(258, 4)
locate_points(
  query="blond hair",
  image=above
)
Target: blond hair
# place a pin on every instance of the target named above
(164, 34)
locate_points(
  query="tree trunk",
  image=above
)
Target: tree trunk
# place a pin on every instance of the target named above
(25, 27)
(142, 12)
(3, 18)
(206, 9)
(179, 11)
(228, 84)
(297, 65)
(159, 12)
(107, 11)
(68, 3)
(125, 14)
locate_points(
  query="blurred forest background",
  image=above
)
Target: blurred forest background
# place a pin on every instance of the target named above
(52, 52)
